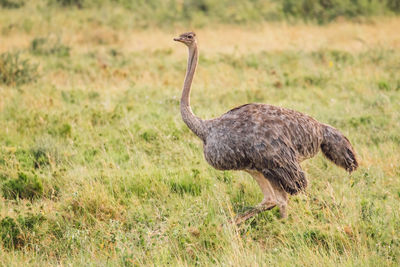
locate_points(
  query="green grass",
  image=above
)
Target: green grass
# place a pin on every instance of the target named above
(97, 167)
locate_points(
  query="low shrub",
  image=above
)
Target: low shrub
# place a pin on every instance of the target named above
(394, 5)
(203, 12)
(11, 3)
(67, 3)
(323, 11)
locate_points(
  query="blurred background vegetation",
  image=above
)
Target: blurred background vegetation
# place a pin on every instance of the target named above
(199, 13)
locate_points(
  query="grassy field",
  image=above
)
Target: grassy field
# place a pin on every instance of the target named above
(98, 169)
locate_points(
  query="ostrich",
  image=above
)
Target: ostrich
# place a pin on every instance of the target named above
(266, 141)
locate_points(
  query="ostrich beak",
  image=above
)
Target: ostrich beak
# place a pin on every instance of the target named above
(178, 39)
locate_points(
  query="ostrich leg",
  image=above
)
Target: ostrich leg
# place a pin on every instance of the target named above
(269, 201)
(281, 198)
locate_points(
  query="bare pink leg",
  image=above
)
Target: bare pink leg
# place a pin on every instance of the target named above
(269, 201)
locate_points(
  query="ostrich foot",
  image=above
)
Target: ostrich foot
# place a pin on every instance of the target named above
(254, 211)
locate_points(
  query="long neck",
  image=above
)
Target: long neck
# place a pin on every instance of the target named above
(194, 123)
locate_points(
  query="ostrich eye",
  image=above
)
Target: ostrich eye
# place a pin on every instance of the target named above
(190, 37)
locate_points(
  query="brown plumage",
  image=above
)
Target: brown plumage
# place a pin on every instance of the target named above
(267, 141)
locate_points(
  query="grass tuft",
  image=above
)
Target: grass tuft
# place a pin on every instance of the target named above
(49, 46)
(26, 186)
(17, 233)
(16, 71)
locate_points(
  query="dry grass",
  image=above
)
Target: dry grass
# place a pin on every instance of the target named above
(345, 36)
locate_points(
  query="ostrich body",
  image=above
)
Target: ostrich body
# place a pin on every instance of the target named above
(266, 141)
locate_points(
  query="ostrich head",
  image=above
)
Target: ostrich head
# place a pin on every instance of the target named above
(188, 38)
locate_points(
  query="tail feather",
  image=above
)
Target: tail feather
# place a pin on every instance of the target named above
(337, 148)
